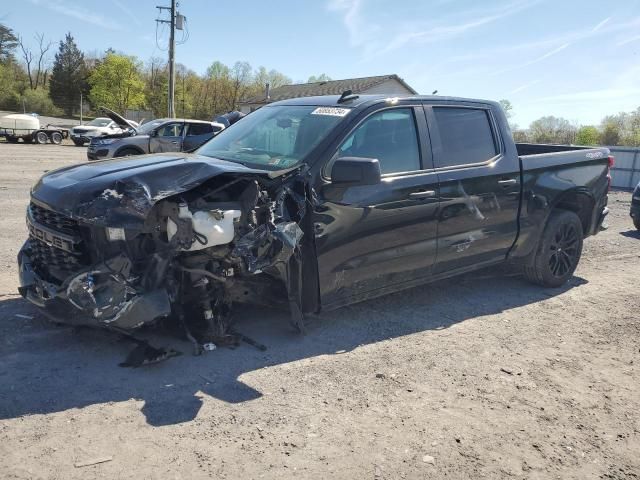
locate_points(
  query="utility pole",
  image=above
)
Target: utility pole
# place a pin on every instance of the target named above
(172, 56)
(80, 107)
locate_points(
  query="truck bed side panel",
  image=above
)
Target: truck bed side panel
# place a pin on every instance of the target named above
(549, 180)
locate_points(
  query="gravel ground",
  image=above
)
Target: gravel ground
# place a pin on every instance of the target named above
(483, 376)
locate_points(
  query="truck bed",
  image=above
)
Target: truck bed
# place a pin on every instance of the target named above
(525, 149)
(534, 156)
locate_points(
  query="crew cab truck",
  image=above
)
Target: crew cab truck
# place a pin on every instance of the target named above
(311, 203)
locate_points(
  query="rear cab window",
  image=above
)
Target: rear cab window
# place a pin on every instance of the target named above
(195, 129)
(466, 135)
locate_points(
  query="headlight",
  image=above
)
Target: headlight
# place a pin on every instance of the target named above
(105, 141)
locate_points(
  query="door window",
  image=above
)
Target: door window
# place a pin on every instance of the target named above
(466, 136)
(196, 129)
(390, 136)
(170, 130)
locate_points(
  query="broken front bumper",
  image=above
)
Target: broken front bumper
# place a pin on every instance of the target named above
(99, 296)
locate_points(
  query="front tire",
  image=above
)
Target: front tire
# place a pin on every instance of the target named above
(636, 222)
(558, 252)
(78, 143)
(127, 152)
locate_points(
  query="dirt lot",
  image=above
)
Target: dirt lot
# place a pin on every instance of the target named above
(484, 376)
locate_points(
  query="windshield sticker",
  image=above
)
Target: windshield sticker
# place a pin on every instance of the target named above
(331, 111)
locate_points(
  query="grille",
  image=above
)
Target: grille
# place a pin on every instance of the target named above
(50, 261)
(53, 262)
(54, 220)
(80, 130)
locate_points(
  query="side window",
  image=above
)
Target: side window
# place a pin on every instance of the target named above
(466, 136)
(170, 130)
(390, 136)
(196, 129)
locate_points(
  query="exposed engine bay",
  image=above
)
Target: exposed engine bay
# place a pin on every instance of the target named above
(130, 256)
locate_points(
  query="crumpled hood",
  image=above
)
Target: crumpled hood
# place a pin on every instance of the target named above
(121, 192)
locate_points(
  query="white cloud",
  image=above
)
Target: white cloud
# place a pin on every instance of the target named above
(628, 40)
(593, 95)
(366, 34)
(601, 24)
(523, 87)
(127, 11)
(72, 11)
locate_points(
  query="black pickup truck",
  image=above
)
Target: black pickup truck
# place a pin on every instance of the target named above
(311, 203)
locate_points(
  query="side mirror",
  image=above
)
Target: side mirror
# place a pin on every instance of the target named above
(356, 171)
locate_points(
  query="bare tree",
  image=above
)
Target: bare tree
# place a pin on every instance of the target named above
(28, 56)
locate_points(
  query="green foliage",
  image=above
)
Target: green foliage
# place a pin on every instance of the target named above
(68, 77)
(588, 135)
(323, 77)
(116, 83)
(552, 129)
(14, 82)
(622, 129)
(8, 43)
(38, 101)
(507, 107)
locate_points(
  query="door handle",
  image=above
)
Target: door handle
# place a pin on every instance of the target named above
(510, 181)
(423, 194)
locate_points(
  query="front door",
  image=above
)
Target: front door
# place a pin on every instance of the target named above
(167, 138)
(479, 187)
(373, 238)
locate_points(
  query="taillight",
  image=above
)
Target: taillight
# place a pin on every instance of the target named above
(611, 164)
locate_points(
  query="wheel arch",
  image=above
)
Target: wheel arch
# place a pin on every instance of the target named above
(579, 201)
(128, 147)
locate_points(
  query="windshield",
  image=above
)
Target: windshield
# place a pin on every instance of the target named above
(100, 122)
(274, 137)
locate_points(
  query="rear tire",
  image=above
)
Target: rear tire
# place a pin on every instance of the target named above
(56, 138)
(127, 152)
(41, 138)
(558, 251)
(636, 223)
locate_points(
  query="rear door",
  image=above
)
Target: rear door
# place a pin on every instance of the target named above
(479, 186)
(196, 135)
(374, 238)
(167, 138)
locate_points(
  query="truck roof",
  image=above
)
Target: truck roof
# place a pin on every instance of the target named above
(332, 100)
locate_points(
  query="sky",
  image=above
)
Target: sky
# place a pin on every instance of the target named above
(578, 59)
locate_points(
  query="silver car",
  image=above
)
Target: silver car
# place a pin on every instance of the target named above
(155, 136)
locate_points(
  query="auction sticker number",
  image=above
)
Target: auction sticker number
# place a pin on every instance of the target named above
(332, 111)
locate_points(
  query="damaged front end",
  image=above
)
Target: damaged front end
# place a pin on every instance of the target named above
(131, 255)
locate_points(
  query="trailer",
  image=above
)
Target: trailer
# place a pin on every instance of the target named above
(27, 127)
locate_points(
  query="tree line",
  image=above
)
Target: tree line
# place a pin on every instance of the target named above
(622, 129)
(30, 81)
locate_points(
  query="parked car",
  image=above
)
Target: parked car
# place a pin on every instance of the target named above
(155, 136)
(28, 128)
(311, 203)
(635, 207)
(96, 128)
